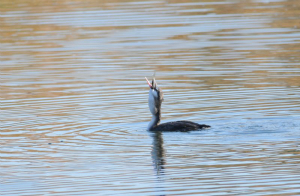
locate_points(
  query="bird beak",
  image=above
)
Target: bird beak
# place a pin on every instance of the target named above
(150, 85)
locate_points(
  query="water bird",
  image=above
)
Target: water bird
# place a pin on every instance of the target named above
(154, 101)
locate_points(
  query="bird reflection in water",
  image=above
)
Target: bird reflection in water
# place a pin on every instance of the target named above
(158, 152)
(158, 159)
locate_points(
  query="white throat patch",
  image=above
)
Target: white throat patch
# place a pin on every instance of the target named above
(151, 101)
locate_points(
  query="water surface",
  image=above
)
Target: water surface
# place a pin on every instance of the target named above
(74, 107)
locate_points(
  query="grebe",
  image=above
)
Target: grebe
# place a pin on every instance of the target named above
(154, 102)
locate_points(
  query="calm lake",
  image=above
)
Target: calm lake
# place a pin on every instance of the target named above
(74, 100)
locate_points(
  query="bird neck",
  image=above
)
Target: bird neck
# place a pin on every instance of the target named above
(155, 120)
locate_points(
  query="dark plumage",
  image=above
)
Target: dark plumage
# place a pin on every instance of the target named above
(182, 126)
(155, 101)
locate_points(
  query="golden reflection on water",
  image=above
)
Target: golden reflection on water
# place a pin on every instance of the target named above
(74, 102)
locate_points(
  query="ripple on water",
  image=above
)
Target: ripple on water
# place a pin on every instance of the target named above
(74, 101)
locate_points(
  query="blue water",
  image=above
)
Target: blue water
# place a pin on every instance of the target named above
(74, 106)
